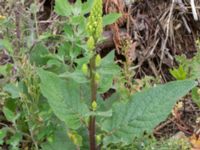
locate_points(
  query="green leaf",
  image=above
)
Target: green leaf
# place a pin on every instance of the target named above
(77, 76)
(7, 45)
(191, 66)
(77, 8)
(3, 133)
(69, 33)
(86, 7)
(100, 113)
(64, 98)
(75, 20)
(13, 90)
(143, 112)
(37, 55)
(110, 18)
(10, 116)
(179, 74)
(63, 8)
(196, 96)
(107, 71)
(6, 69)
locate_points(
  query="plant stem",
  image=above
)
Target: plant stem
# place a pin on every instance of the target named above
(92, 133)
(93, 98)
(36, 20)
(18, 32)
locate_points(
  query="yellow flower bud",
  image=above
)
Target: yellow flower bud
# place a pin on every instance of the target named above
(75, 138)
(198, 91)
(84, 69)
(94, 105)
(2, 17)
(70, 135)
(98, 138)
(98, 60)
(95, 24)
(99, 29)
(90, 43)
(97, 78)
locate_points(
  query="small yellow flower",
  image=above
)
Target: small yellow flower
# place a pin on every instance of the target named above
(98, 60)
(84, 69)
(98, 138)
(97, 78)
(90, 43)
(2, 17)
(198, 91)
(72, 136)
(94, 105)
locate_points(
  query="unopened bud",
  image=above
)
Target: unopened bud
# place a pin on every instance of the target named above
(90, 43)
(84, 69)
(198, 91)
(94, 105)
(97, 78)
(98, 60)
(98, 138)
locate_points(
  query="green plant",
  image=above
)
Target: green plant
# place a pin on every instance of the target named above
(196, 95)
(129, 119)
(27, 118)
(179, 74)
(53, 100)
(22, 99)
(74, 95)
(26, 110)
(189, 69)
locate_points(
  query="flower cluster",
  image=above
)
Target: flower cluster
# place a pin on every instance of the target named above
(94, 26)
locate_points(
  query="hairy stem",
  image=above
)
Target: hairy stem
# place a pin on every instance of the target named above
(93, 98)
(18, 32)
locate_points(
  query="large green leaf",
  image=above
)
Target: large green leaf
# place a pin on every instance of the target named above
(110, 18)
(107, 71)
(64, 97)
(143, 112)
(77, 76)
